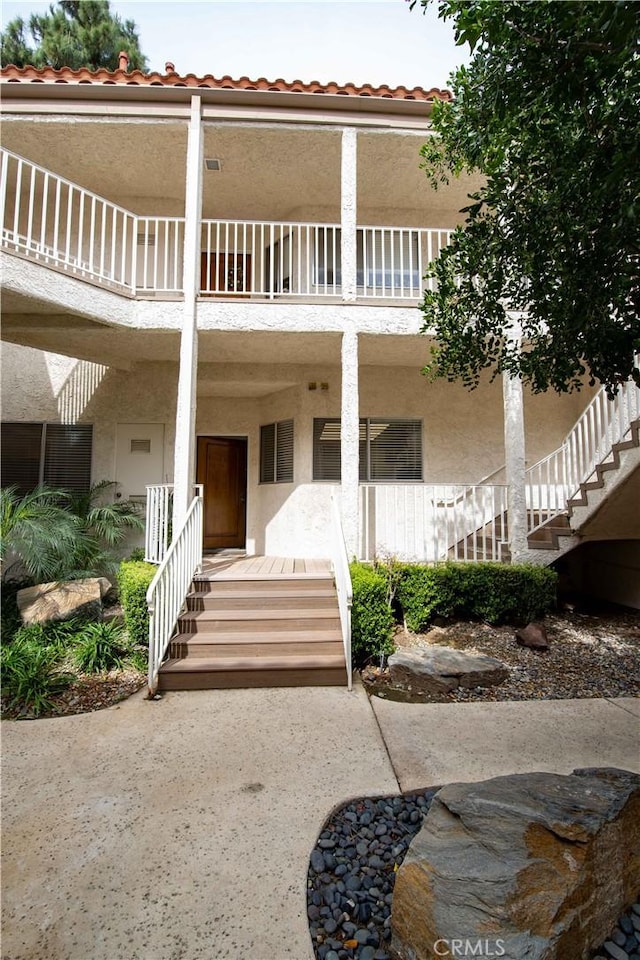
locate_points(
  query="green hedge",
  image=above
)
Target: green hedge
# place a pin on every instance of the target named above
(134, 577)
(371, 617)
(496, 593)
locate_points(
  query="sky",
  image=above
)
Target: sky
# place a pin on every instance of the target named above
(362, 41)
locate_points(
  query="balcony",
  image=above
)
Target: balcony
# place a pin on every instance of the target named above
(56, 223)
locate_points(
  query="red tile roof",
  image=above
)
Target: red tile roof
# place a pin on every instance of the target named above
(47, 75)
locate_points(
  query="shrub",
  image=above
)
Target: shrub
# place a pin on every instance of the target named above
(31, 675)
(134, 578)
(100, 646)
(59, 635)
(371, 618)
(497, 593)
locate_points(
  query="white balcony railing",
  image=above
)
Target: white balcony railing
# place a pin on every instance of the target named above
(47, 218)
(243, 258)
(57, 223)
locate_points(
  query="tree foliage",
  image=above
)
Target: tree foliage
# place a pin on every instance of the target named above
(74, 33)
(547, 110)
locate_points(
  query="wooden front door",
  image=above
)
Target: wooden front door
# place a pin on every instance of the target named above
(222, 469)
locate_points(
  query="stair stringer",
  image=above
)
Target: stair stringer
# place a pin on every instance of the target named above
(610, 474)
(617, 466)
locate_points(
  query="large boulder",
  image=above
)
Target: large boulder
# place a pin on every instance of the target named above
(537, 866)
(438, 670)
(63, 600)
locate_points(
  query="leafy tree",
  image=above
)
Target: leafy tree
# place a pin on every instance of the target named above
(75, 33)
(548, 111)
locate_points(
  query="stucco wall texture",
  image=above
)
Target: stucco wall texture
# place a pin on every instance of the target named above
(463, 438)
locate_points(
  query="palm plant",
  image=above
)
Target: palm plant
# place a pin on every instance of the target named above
(57, 535)
(36, 532)
(104, 526)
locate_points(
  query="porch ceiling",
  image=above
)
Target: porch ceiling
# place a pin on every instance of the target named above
(269, 172)
(139, 165)
(83, 339)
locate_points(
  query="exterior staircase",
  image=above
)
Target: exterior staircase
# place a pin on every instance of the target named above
(257, 630)
(553, 533)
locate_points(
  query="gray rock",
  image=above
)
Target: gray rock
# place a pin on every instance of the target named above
(615, 952)
(534, 635)
(438, 670)
(542, 861)
(619, 937)
(317, 861)
(62, 601)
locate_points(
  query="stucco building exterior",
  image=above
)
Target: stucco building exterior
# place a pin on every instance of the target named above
(218, 280)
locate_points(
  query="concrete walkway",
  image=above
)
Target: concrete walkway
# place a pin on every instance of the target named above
(181, 829)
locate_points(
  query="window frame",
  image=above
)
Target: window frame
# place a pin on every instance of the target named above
(51, 454)
(364, 469)
(288, 437)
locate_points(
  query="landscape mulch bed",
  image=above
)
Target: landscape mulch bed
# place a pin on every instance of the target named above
(591, 654)
(90, 692)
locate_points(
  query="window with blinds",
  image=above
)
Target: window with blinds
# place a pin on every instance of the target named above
(390, 449)
(276, 452)
(55, 454)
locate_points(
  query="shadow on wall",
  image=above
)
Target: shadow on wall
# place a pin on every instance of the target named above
(608, 570)
(78, 390)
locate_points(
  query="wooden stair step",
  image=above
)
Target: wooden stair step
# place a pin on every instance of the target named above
(197, 645)
(262, 580)
(238, 672)
(243, 591)
(206, 621)
(255, 635)
(238, 602)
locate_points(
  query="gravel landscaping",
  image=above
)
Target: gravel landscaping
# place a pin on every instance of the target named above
(591, 654)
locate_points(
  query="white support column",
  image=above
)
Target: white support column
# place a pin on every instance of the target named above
(184, 451)
(350, 442)
(515, 468)
(348, 213)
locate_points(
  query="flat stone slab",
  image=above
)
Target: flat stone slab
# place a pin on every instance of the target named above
(440, 669)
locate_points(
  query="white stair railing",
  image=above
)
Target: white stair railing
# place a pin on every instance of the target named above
(169, 587)
(552, 481)
(342, 576)
(425, 521)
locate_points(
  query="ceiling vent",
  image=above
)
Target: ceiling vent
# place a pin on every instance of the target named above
(212, 163)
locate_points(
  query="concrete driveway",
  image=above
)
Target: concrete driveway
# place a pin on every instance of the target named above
(181, 829)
